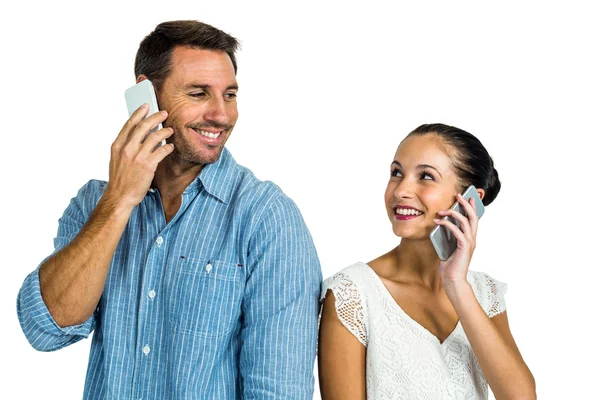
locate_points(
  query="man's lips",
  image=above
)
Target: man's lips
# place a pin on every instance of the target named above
(211, 135)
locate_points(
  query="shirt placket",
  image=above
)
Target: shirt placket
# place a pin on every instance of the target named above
(149, 314)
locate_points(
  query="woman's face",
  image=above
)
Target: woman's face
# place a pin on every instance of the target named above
(422, 182)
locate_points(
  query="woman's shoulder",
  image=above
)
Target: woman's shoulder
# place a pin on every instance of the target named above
(488, 291)
(353, 270)
(351, 277)
(484, 281)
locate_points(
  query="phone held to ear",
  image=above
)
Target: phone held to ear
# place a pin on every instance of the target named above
(442, 238)
(143, 93)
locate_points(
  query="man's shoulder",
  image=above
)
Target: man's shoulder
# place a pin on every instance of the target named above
(253, 191)
(92, 189)
(258, 200)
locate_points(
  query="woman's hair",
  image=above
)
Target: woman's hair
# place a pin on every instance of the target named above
(469, 159)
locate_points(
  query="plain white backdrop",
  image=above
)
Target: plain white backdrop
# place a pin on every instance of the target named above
(327, 91)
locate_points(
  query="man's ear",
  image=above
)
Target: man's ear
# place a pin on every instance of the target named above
(140, 78)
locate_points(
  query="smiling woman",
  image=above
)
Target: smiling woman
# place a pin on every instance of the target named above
(407, 325)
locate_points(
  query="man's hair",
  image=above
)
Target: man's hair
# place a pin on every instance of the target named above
(153, 57)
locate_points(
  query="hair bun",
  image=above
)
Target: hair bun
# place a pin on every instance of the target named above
(492, 187)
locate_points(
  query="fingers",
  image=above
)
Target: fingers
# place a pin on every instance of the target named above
(143, 127)
(469, 223)
(473, 220)
(154, 139)
(469, 207)
(461, 240)
(137, 116)
(159, 154)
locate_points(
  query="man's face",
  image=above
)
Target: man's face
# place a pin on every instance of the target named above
(200, 96)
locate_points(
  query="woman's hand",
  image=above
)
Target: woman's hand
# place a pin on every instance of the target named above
(454, 270)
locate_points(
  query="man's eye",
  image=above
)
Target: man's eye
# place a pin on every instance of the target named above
(200, 94)
(231, 96)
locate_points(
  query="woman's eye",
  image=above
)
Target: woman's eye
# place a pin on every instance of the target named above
(396, 173)
(426, 176)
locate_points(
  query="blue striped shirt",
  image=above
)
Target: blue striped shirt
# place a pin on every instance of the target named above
(220, 303)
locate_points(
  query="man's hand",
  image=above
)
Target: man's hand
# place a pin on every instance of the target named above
(133, 159)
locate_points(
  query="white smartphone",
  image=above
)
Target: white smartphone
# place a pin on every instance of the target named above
(143, 93)
(442, 238)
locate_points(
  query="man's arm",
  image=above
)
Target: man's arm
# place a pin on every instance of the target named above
(71, 281)
(281, 307)
(42, 330)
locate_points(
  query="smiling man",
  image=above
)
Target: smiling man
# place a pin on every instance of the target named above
(198, 280)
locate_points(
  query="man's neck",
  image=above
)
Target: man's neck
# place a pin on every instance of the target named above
(171, 180)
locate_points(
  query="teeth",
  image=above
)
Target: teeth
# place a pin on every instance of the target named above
(405, 211)
(209, 134)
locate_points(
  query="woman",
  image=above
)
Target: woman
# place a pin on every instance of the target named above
(407, 325)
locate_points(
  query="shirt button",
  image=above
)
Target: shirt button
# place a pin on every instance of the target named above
(159, 241)
(208, 267)
(146, 349)
(151, 294)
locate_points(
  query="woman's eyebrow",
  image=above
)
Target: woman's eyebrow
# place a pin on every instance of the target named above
(425, 166)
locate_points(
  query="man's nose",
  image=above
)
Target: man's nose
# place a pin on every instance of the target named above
(216, 111)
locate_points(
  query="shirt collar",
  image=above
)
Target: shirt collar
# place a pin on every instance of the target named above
(217, 178)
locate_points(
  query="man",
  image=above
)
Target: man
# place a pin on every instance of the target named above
(200, 281)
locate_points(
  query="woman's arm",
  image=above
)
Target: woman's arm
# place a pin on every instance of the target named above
(493, 345)
(341, 357)
(491, 340)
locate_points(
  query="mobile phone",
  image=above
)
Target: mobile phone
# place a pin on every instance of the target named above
(442, 238)
(143, 93)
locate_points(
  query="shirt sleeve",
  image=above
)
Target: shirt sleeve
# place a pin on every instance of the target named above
(494, 291)
(40, 329)
(349, 305)
(281, 307)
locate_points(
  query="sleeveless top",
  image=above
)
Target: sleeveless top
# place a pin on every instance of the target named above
(404, 360)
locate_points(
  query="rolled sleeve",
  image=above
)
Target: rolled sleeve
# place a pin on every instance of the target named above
(42, 332)
(37, 323)
(281, 307)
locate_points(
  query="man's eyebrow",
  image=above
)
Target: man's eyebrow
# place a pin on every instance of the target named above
(204, 87)
(424, 166)
(397, 163)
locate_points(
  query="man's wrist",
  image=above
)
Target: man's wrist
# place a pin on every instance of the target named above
(113, 207)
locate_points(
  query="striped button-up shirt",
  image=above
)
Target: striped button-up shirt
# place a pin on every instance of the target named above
(220, 303)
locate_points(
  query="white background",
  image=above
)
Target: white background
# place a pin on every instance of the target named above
(327, 92)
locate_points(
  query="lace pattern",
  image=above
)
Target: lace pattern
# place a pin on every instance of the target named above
(349, 305)
(404, 360)
(493, 291)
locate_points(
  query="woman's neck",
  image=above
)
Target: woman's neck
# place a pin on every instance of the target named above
(412, 261)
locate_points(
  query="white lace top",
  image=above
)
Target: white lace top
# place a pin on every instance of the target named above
(405, 360)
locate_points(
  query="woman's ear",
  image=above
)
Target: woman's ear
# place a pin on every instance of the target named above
(481, 193)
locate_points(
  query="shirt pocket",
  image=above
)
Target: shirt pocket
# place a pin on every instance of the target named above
(206, 297)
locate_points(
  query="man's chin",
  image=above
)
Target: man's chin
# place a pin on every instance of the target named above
(201, 158)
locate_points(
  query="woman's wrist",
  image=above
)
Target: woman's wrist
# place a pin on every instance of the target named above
(458, 290)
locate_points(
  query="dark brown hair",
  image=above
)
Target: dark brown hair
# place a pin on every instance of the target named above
(470, 160)
(153, 57)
